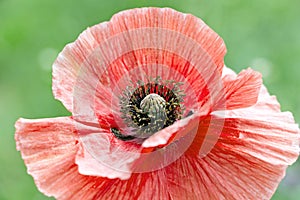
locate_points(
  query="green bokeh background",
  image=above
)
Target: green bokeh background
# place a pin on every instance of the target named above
(263, 34)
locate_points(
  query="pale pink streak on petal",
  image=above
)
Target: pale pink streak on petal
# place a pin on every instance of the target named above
(88, 165)
(106, 156)
(176, 131)
(273, 141)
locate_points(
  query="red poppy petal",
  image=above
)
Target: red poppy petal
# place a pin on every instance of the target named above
(268, 133)
(274, 140)
(223, 174)
(264, 101)
(247, 162)
(189, 136)
(166, 18)
(67, 67)
(266, 129)
(139, 186)
(48, 148)
(193, 178)
(243, 90)
(265, 132)
(92, 52)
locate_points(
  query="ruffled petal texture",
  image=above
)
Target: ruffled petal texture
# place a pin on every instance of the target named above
(48, 147)
(138, 42)
(249, 160)
(232, 142)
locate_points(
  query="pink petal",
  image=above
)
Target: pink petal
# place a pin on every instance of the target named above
(264, 131)
(256, 145)
(247, 162)
(48, 147)
(83, 66)
(241, 91)
(272, 140)
(229, 171)
(223, 174)
(264, 101)
(193, 136)
(166, 18)
(266, 107)
(67, 67)
(178, 129)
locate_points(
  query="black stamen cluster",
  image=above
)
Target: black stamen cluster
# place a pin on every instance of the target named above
(142, 123)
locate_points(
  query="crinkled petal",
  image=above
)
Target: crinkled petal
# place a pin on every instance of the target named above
(263, 131)
(242, 90)
(81, 64)
(223, 174)
(198, 75)
(264, 100)
(48, 147)
(140, 186)
(248, 161)
(168, 19)
(101, 153)
(67, 66)
(275, 141)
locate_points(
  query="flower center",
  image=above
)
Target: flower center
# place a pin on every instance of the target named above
(154, 106)
(150, 107)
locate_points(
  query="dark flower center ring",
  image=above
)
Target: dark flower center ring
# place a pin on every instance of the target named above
(149, 108)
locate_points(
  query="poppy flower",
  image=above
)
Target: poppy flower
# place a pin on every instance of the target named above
(157, 115)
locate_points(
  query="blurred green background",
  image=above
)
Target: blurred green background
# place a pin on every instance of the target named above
(264, 34)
